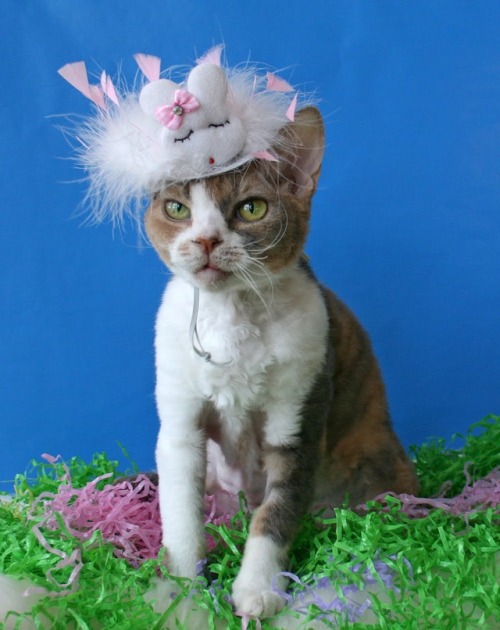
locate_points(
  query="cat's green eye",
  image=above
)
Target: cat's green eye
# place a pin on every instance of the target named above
(253, 209)
(176, 210)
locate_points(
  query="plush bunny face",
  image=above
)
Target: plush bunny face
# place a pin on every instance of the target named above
(199, 125)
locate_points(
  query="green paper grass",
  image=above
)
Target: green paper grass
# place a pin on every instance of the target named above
(438, 463)
(444, 568)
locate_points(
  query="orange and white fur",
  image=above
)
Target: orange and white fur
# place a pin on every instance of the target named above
(288, 404)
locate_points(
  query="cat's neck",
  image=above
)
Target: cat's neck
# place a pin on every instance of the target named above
(240, 312)
(230, 326)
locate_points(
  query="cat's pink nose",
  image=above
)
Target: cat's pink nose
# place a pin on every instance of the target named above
(208, 244)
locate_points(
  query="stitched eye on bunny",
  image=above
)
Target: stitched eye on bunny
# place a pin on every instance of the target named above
(201, 116)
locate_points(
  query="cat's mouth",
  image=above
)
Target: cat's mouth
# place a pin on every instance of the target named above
(211, 274)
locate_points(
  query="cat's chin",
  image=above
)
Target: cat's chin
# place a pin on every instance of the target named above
(211, 277)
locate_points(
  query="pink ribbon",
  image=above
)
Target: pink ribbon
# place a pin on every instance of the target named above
(172, 116)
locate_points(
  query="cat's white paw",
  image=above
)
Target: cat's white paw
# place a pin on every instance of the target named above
(259, 582)
(257, 603)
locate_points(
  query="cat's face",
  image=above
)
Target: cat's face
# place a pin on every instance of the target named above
(228, 231)
(235, 230)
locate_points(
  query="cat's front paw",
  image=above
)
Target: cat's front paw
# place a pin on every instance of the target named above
(257, 588)
(257, 603)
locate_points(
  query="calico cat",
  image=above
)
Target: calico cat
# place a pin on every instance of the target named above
(269, 384)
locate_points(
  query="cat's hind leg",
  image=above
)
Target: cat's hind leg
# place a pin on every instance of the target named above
(365, 464)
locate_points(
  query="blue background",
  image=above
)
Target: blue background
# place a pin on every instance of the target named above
(406, 224)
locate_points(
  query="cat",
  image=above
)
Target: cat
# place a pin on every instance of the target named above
(269, 384)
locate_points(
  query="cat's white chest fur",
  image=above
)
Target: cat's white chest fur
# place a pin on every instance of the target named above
(266, 355)
(236, 335)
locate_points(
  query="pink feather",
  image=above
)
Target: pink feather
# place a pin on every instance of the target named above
(108, 88)
(290, 112)
(265, 155)
(277, 84)
(76, 75)
(149, 65)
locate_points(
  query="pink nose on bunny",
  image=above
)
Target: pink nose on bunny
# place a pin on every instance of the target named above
(211, 160)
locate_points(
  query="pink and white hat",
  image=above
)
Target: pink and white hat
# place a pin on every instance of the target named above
(213, 121)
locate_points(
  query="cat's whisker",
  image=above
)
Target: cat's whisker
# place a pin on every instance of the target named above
(262, 269)
(262, 250)
(244, 275)
(264, 272)
(281, 232)
(258, 240)
(256, 257)
(279, 236)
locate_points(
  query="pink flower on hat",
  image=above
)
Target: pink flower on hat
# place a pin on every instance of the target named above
(172, 116)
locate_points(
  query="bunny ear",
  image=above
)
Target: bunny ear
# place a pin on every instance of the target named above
(156, 94)
(76, 75)
(149, 65)
(209, 82)
(212, 56)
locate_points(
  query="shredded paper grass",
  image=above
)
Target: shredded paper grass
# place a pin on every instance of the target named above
(87, 543)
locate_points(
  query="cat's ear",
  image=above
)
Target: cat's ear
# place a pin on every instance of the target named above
(303, 145)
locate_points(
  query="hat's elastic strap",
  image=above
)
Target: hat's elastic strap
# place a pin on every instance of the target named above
(193, 333)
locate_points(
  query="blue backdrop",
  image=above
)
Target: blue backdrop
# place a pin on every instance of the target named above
(406, 225)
